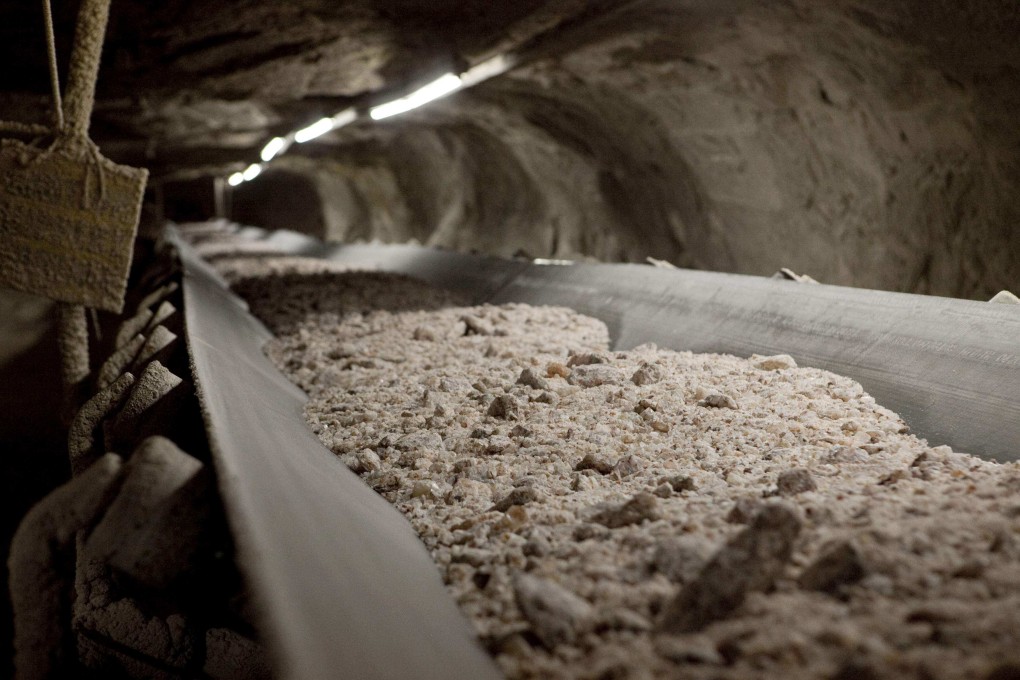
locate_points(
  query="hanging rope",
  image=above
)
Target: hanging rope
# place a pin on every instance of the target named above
(51, 50)
(72, 134)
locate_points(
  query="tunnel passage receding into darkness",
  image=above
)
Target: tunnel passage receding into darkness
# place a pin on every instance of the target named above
(827, 139)
(863, 143)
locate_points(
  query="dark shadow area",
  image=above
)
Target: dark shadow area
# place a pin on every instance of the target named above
(33, 453)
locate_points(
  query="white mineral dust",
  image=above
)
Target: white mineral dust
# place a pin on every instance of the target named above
(599, 514)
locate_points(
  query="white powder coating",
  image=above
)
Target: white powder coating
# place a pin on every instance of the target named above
(570, 494)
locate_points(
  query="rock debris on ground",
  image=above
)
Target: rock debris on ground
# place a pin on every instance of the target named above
(649, 513)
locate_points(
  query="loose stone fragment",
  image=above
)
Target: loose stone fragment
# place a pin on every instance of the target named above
(793, 482)
(520, 431)
(556, 615)
(587, 359)
(846, 454)
(476, 325)
(593, 375)
(424, 488)
(837, 566)
(717, 400)
(516, 497)
(532, 379)
(648, 374)
(774, 363)
(590, 462)
(548, 398)
(498, 444)
(643, 405)
(629, 465)
(556, 370)
(504, 406)
(749, 562)
(362, 461)
(639, 508)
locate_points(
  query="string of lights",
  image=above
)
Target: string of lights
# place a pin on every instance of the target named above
(441, 87)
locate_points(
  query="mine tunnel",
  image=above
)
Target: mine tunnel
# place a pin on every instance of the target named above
(595, 339)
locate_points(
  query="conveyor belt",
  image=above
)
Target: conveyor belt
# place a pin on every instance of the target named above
(949, 367)
(351, 591)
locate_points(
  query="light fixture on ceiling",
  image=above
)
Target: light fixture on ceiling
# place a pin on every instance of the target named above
(440, 87)
(316, 129)
(345, 117)
(489, 68)
(273, 147)
(251, 172)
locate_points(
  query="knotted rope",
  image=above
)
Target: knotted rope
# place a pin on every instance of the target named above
(72, 139)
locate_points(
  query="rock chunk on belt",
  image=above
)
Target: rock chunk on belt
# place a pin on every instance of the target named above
(591, 462)
(532, 379)
(556, 615)
(476, 326)
(516, 497)
(751, 561)
(593, 375)
(838, 565)
(795, 481)
(647, 374)
(639, 508)
(504, 406)
(774, 363)
(718, 400)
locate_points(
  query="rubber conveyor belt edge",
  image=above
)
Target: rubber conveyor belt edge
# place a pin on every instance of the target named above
(347, 588)
(949, 367)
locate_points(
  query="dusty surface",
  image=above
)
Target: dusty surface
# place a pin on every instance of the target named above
(651, 513)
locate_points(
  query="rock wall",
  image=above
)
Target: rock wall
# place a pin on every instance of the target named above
(862, 145)
(862, 142)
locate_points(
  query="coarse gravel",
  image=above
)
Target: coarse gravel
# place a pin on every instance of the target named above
(650, 513)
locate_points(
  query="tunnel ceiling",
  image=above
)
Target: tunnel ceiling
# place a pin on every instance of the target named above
(863, 142)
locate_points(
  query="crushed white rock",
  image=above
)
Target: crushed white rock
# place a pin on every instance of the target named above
(650, 513)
